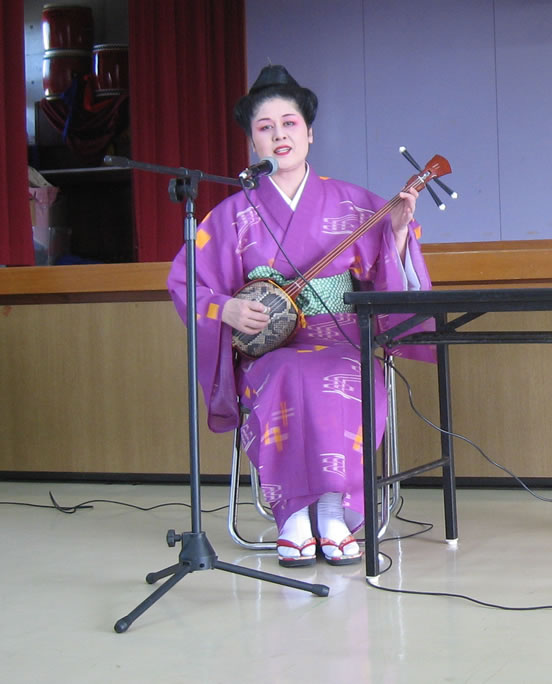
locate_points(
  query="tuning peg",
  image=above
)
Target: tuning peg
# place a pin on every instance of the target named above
(441, 205)
(450, 192)
(411, 159)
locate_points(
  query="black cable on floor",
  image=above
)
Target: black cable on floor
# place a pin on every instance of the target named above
(87, 504)
(451, 595)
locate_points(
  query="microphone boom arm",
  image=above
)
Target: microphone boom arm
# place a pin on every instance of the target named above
(179, 172)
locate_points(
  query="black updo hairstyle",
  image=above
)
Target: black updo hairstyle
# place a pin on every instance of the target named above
(275, 81)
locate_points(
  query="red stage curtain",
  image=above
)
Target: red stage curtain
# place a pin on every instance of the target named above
(16, 242)
(187, 69)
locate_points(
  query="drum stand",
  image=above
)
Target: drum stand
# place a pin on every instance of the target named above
(197, 553)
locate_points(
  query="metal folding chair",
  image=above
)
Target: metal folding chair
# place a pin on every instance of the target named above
(256, 495)
(390, 465)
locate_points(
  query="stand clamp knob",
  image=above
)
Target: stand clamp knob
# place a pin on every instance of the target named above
(172, 538)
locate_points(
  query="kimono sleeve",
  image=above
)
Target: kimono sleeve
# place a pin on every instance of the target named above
(383, 272)
(218, 276)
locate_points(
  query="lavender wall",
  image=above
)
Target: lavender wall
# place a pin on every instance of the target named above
(466, 79)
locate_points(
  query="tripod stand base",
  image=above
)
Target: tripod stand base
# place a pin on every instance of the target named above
(198, 554)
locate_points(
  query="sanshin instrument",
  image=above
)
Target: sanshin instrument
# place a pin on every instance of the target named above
(285, 314)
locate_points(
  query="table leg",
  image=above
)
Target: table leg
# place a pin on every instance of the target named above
(371, 549)
(447, 448)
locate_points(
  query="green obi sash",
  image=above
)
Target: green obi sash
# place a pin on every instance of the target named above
(330, 290)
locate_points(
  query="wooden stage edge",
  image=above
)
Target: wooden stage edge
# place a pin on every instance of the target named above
(523, 263)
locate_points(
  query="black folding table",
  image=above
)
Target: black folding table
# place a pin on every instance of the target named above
(420, 306)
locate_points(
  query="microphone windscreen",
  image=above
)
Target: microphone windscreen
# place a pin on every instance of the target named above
(273, 162)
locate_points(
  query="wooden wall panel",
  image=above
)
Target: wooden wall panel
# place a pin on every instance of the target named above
(98, 388)
(500, 400)
(101, 388)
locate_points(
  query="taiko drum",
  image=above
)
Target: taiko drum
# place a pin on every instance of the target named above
(60, 67)
(67, 27)
(110, 69)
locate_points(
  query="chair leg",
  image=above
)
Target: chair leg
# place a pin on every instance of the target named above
(235, 496)
(257, 494)
(390, 452)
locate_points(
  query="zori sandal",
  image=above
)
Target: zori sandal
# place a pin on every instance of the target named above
(344, 558)
(307, 555)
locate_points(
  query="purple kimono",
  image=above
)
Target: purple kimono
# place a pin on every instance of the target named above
(304, 432)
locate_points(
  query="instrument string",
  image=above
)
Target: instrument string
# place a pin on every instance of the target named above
(294, 288)
(347, 242)
(436, 166)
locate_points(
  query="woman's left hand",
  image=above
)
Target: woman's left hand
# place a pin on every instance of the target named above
(401, 216)
(403, 213)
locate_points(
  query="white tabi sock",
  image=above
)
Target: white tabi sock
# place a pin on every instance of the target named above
(297, 529)
(331, 525)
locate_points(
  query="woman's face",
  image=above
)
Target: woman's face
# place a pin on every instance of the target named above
(278, 130)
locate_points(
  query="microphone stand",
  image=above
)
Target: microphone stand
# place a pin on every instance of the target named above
(197, 552)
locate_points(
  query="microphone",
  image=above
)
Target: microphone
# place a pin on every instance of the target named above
(265, 167)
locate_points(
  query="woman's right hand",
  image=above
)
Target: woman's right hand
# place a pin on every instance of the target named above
(247, 316)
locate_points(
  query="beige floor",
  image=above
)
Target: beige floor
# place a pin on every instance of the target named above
(66, 580)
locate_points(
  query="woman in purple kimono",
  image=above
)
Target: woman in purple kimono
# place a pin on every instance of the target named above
(303, 431)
